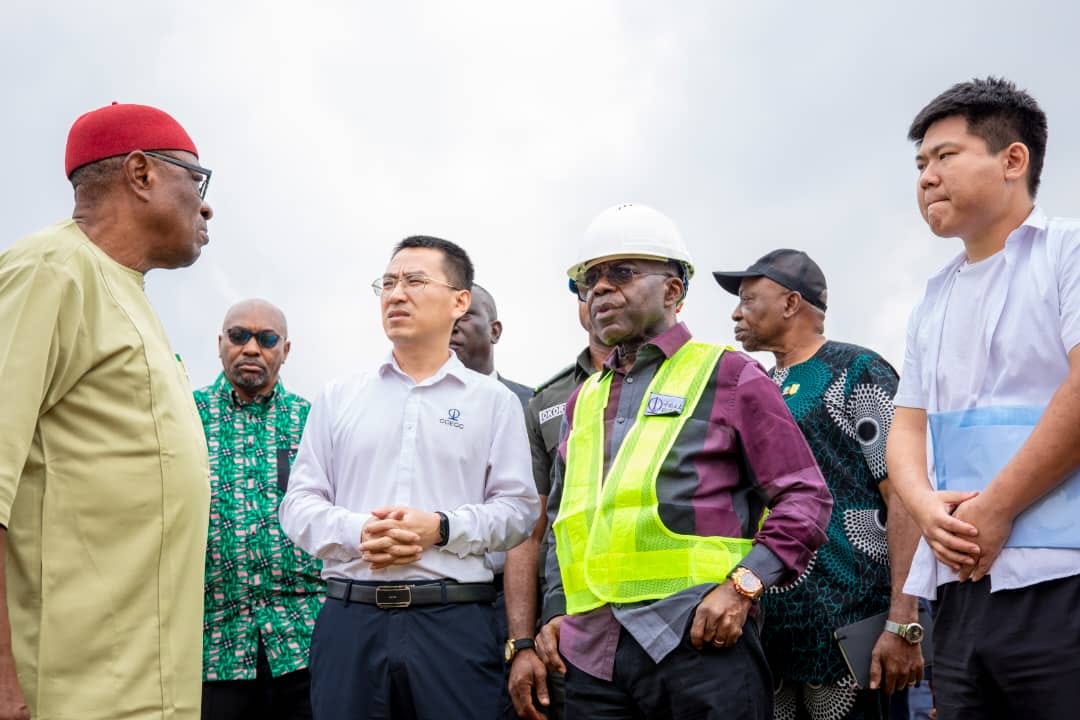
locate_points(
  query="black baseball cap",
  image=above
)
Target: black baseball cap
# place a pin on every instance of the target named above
(791, 268)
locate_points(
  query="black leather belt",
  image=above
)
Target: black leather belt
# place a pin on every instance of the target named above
(391, 596)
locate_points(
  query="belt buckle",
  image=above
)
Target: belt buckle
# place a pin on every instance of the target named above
(393, 596)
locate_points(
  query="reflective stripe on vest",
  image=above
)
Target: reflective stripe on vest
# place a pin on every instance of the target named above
(610, 540)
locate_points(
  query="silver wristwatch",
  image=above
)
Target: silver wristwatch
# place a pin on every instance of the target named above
(911, 632)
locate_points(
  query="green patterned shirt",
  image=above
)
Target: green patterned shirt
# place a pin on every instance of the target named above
(842, 400)
(258, 584)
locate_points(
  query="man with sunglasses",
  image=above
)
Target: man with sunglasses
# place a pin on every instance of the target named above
(406, 476)
(672, 454)
(103, 474)
(262, 592)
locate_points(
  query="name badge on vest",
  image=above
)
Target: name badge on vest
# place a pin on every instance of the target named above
(555, 411)
(664, 404)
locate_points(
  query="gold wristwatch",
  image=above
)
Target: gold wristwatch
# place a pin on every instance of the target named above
(514, 646)
(912, 633)
(747, 583)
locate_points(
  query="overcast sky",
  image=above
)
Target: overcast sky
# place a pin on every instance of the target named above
(336, 128)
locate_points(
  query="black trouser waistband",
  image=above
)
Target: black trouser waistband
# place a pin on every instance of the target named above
(403, 595)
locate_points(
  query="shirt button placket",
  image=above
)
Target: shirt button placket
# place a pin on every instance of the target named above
(407, 459)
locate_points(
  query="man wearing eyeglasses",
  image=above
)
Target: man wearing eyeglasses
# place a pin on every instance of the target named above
(406, 476)
(262, 592)
(103, 473)
(671, 456)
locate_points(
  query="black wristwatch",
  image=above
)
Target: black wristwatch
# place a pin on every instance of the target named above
(513, 647)
(444, 529)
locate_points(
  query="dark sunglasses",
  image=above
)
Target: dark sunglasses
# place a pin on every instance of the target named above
(617, 275)
(204, 183)
(267, 339)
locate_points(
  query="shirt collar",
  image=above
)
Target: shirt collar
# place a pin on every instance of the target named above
(227, 392)
(667, 343)
(1036, 220)
(453, 367)
(584, 367)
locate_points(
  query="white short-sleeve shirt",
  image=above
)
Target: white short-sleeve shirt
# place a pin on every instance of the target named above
(1024, 318)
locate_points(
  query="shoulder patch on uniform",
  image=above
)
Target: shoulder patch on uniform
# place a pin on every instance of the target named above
(550, 413)
(556, 377)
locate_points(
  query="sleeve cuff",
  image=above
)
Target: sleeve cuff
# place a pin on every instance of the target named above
(457, 540)
(554, 606)
(764, 563)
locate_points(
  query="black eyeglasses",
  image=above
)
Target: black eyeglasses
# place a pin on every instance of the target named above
(617, 275)
(203, 184)
(267, 339)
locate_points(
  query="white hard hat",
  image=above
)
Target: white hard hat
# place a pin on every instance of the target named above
(631, 231)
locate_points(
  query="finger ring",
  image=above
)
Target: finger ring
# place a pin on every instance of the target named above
(718, 642)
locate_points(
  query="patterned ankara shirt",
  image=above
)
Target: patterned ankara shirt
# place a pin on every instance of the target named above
(842, 400)
(258, 584)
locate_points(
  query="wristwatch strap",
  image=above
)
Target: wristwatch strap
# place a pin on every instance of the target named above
(444, 529)
(903, 630)
(513, 647)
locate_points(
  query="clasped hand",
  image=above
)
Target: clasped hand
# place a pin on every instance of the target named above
(397, 536)
(965, 530)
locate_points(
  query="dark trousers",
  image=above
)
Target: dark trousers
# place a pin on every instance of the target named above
(1009, 654)
(556, 710)
(708, 684)
(424, 663)
(556, 683)
(286, 697)
(502, 630)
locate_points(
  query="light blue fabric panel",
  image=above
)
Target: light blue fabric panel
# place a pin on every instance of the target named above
(972, 446)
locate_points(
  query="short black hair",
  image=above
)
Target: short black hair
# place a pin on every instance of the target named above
(456, 262)
(997, 112)
(484, 296)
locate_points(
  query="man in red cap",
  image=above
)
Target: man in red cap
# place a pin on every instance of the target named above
(103, 473)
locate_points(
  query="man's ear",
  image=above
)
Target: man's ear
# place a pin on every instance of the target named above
(674, 289)
(1016, 159)
(792, 303)
(286, 348)
(462, 300)
(496, 331)
(139, 174)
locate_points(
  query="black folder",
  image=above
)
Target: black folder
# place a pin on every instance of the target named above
(857, 642)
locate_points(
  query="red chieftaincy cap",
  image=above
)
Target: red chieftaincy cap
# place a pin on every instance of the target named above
(120, 128)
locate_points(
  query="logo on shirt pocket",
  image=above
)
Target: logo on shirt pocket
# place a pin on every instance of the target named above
(451, 419)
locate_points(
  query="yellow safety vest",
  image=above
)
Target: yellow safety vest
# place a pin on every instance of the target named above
(612, 545)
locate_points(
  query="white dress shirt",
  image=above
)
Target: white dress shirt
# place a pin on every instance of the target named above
(1027, 321)
(455, 443)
